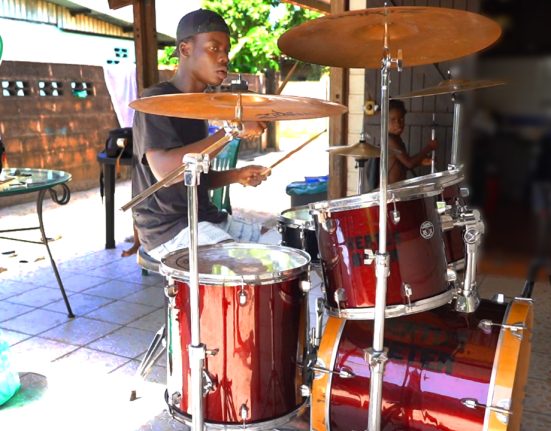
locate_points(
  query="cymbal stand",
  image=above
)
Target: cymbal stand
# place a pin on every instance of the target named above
(376, 356)
(457, 113)
(195, 165)
(433, 137)
(360, 164)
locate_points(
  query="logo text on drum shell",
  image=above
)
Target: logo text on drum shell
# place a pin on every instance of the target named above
(426, 229)
(357, 245)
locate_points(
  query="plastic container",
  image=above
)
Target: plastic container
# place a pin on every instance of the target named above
(9, 378)
(312, 189)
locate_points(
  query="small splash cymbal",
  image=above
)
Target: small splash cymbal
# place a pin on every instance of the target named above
(450, 86)
(361, 150)
(222, 106)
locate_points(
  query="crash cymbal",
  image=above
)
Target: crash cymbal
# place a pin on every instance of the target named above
(356, 38)
(222, 106)
(450, 86)
(361, 150)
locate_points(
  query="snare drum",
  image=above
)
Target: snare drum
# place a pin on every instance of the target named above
(445, 371)
(347, 228)
(450, 182)
(298, 230)
(252, 321)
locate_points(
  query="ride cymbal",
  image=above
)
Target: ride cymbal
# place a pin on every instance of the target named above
(222, 106)
(450, 86)
(356, 38)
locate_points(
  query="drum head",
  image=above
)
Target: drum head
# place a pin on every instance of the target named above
(298, 216)
(228, 263)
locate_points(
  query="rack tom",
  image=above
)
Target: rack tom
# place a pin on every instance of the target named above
(348, 234)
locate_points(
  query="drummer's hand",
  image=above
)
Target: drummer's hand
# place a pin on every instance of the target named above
(252, 129)
(253, 175)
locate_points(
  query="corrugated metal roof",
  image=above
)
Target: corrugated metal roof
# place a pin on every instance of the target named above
(73, 16)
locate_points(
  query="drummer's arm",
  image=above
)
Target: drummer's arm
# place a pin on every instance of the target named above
(163, 161)
(408, 161)
(251, 175)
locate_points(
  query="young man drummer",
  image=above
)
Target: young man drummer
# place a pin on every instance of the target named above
(160, 143)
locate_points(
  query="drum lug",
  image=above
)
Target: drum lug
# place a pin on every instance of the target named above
(244, 413)
(394, 214)
(464, 192)
(451, 275)
(171, 290)
(339, 296)
(407, 291)
(305, 286)
(176, 398)
(212, 352)
(517, 328)
(208, 383)
(242, 295)
(501, 413)
(304, 391)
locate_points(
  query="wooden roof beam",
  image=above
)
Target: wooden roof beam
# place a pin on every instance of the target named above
(117, 4)
(317, 5)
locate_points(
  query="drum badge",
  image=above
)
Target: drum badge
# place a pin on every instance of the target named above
(427, 230)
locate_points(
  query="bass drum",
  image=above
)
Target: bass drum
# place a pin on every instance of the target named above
(447, 371)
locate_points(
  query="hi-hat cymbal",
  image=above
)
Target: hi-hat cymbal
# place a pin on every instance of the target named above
(222, 106)
(356, 38)
(450, 86)
(361, 150)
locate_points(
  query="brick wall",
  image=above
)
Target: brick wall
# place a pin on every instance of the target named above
(55, 116)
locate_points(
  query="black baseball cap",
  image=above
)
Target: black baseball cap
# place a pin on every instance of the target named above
(199, 21)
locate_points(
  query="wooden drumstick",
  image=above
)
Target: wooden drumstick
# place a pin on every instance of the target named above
(290, 153)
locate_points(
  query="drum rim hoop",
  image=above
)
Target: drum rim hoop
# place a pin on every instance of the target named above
(253, 279)
(500, 346)
(294, 222)
(369, 200)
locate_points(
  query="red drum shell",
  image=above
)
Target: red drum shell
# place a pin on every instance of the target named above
(450, 181)
(260, 343)
(416, 260)
(436, 359)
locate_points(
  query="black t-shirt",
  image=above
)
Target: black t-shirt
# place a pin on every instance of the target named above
(164, 213)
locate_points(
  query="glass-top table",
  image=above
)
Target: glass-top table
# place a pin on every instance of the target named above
(16, 181)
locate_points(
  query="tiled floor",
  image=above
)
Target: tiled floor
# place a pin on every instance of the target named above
(78, 373)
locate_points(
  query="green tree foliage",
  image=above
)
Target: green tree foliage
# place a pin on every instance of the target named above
(255, 27)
